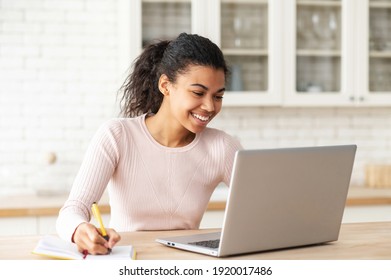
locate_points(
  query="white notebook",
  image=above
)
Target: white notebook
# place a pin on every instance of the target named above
(54, 247)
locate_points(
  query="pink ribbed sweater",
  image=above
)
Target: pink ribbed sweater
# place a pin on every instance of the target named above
(151, 187)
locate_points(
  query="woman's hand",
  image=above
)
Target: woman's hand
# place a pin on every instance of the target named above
(89, 239)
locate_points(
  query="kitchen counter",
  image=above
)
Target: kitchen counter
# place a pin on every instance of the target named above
(49, 205)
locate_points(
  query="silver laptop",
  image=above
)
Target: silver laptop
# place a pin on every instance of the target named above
(279, 198)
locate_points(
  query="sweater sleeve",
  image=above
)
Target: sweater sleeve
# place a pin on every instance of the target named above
(97, 168)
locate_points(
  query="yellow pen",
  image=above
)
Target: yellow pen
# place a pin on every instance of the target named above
(98, 218)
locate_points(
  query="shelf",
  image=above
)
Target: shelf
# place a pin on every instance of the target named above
(260, 2)
(166, 1)
(325, 53)
(380, 5)
(245, 52)
(380, 54)
(319, 3)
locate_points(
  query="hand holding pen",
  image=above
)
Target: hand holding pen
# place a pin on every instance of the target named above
(91, 240)
(98, 218)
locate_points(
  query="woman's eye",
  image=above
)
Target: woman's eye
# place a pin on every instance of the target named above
(198, 93)
(219, 97)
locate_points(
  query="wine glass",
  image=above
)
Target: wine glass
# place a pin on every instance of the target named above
(304, 29)
(242, 30)
(237, 27)
(325, 24)
(330, 33)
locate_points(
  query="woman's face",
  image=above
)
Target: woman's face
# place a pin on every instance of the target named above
(196, 97)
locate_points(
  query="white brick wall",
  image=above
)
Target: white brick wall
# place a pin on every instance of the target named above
(58, 82)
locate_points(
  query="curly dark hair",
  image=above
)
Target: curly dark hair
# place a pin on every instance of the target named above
(140, 91)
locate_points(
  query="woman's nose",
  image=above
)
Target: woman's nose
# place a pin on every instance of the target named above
(208, 104)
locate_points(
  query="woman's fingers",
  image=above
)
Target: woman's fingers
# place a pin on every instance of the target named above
(88, 238)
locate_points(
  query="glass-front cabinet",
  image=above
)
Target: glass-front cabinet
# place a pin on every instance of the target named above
(319, 53)
(338, 53)
(248, 41)
(280, 52)
(318, 47)
(374, 71)
(164, 20)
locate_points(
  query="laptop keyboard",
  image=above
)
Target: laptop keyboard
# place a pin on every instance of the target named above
(207, 243)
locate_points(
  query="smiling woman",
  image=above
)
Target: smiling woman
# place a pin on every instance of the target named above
(160, 161)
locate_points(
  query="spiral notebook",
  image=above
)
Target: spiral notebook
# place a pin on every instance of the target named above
(54, 247)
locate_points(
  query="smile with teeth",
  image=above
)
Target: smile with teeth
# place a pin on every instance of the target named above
(201, 118)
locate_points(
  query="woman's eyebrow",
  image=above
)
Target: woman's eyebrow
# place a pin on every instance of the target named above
(200, 85)
(206, 88)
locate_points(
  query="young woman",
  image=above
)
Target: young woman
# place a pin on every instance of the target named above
(161, 163)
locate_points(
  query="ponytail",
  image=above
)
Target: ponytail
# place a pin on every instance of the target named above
(140, 91)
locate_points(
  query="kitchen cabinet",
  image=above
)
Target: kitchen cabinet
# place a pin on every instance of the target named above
(245, 31)
(281, 52)
(18, 226)
(337, 52)
(374, 44)
(318, 52)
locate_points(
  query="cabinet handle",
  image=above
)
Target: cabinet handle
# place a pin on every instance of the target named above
(351, 98)
(362, 98)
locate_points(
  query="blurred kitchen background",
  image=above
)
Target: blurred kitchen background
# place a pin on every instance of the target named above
(304, 73)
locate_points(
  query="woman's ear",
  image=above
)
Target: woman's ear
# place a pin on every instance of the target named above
(164, 83)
